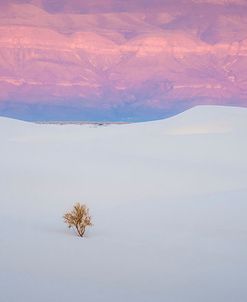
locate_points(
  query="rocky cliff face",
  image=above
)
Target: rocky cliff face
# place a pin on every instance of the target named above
(131, 61)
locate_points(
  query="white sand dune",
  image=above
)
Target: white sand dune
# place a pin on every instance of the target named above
(168, 200)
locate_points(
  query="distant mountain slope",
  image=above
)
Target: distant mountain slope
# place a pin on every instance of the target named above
(120, 61)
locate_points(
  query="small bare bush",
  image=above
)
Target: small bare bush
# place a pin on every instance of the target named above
(78, 218)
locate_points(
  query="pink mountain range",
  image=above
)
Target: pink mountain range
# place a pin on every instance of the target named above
(120, 60)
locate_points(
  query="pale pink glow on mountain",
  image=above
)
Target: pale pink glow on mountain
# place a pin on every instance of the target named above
(120, 60)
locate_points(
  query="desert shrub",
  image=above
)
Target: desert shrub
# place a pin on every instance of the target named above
(78, 218)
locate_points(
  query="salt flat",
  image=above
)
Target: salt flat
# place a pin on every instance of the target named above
(168, 200)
